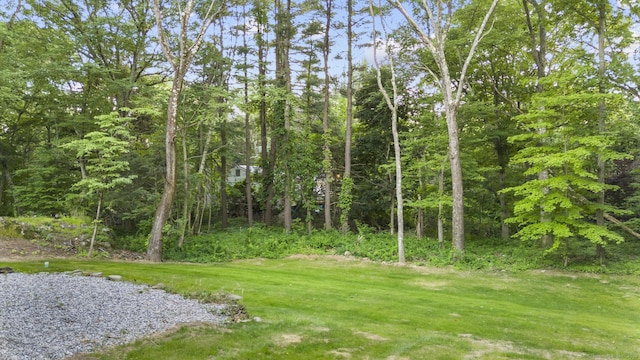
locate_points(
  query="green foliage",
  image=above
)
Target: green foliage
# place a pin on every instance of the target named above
(42, 187)
(345, 199)
(562, 141)
(103, 150)
(44, 228)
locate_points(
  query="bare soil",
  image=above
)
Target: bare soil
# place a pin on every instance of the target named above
(22, 249)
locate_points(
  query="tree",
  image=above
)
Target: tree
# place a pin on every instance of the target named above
(260, 13)
(103, 150)
(392, 104)
(35, 101)
(180, 63)
(326, 136)
(307, 161)
(611, 29)
(247, 117)
(282, 107)
(538, 49)
(346, 197)
(437, 15)
(568, 110)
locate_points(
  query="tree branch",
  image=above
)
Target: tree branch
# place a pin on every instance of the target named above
(479, 35)
(11, 21)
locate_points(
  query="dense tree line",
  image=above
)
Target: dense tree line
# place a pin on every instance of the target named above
(474, 119)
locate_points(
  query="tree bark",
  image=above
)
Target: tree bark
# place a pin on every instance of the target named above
(224, 213)
(392, 104)
(539, 53)
(439, 16)
(504, 210)
(602, 118)
(247, 130)
(95, 226)
(264, 153)
(283, 81)
(349, 114)
(154, 251)
(440, 207)
(180, 64)
(457, 191)
(328, 176)
(185, 200)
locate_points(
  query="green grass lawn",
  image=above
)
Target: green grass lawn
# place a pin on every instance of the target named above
(324, 308)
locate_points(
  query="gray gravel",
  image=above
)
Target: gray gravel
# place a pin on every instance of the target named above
(53, 316)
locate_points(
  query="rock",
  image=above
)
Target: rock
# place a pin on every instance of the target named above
(6, 270)
(104, 245)
(114, 277)
(347, 253)
(75, 272)
(257, 319)
(234, 297)
(159, 286)
(95, 274)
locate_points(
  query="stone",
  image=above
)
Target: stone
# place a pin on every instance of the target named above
(234, 297)
(114, 277)
(104, 245)
(95, 274)
(6, 270)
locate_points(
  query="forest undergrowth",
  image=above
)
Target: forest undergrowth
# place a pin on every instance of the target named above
(489, 254)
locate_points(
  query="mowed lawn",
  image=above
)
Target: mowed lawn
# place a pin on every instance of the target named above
(331, 308)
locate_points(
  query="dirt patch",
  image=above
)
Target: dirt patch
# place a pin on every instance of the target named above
(321, 329)
(22, 249)
(489, 349)
(288, 339)
(432, 285)
(343, 353)
(371, 336)
(326, 257)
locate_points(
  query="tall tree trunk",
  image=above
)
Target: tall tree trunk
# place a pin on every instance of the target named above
(247, 130)
(264, 153)
(420, 220)
(346, 179)
(457, 193)
(392, 213)
(500, 144)
(271, 191)
(202, 189)
(539, 53)
(282, 109)
(504, 209)
(185, 200)
(224, 213)
(602, 118)
(439, 17)
(392, 104)
(440, 207)
(95, 225)
(180, 65)
(154, 251)
(420, 217)
(326, 150)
